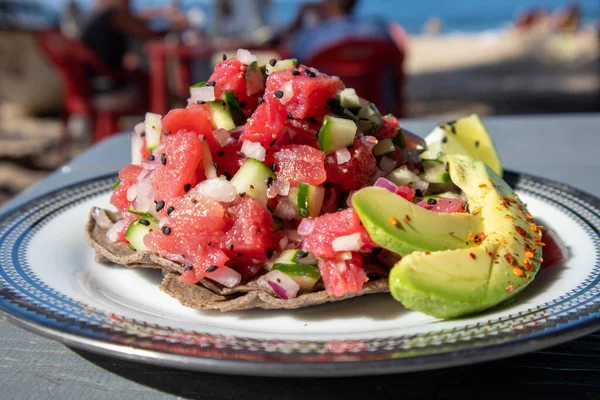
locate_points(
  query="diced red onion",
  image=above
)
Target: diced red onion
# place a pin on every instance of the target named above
(342, 155)
(351, 242)
(137, 142)
(204, 93)
(132, 192)
(283, 242)
(140, 128)
(288, 92)
(225, 276)
(144, 201)
(349, 198)
(150, 165)
(111, 233)
(370, 141)
(416, 139)
(384, 183)
(293, 236)
(101, 218)
(306, 227)
(387, 164)
(284, 286)
(280, 187)
(253, 150)
(411, 156)
(245, 56)
(217, 189)
(222, 136)
(285, 209)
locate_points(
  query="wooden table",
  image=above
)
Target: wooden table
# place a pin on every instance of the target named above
(564, 148)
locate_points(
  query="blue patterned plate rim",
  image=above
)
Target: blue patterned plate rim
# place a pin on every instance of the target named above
(138, 341)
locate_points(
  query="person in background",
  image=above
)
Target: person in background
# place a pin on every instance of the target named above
(318, 25)
(109, 28)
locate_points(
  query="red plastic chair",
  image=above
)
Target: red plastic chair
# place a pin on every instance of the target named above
(71, 58)
(365, 65)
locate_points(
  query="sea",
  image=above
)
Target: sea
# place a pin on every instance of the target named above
(457, 16)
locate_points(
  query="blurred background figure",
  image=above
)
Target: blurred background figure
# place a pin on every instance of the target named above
(318, 25)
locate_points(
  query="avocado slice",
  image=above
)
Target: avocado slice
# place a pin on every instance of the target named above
(505, 259)
(398, 225)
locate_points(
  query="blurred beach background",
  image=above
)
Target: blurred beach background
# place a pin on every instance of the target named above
(462, 56)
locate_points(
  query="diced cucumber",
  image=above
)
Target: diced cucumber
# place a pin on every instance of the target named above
(220, 115)
(402, 177)
(384, 146)
(199, 84)
(253, 179)
(153, 124)
(234, 108)
(399, 139)
(207, 161)
(282, 65)
(434, 171)
(341, 111)
(137, 230)
(255, 81)
(310, 200)
(132, 210)
(349, 99)
(369, 118)
(287, 257)
(336, 133)
(305, 275)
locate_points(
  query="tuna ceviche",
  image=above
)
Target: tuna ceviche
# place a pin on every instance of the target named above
(279, 187)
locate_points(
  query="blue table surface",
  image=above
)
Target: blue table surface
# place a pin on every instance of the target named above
(559, 147)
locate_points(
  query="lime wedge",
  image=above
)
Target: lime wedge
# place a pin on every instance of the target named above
(464, 136)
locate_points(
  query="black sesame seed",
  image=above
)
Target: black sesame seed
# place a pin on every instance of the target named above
(151, 157)
(290, 116)
(260, 100)
(269, 181)
(163, 159)
(188, 268)
(431, 202)
(274, 166)
(418, 193)
(166, 230)
(270, 252)
(251, 187)
(240, 154)
(145, 222)
(143, 134)
(224, 57)
(231, 248)
(160, 205)
(243, 104)
(200, 102)
(445, 139)
(220, 153)
(227, 175)
(216, 166)
(170, 210)
(272, 62)
(187, 187)
(209, 244)
(296, 72)
(212, 268)
(211, 83)
(272, 142)
(242, 194)
(477, 143)
(309, 73)
(278, 94)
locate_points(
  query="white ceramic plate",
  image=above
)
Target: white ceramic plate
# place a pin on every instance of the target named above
(50, 284)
